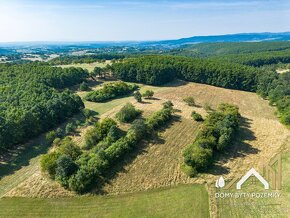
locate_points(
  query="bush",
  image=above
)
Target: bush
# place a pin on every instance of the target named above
(197, 157)
(48, 163)
(81, 181)
(88, 113)
(69, 148)
(70, 127)
(159, 118)
(84, 86)
(168, 105)
(65, 168)
(138, 96)
(98, 133)
(127, 113)
(189, 101)
(148, 94)
(196, 116)
(50, 136)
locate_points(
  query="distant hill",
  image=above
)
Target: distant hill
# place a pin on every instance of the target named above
(241, 37)
(140, 46)
(228, 48)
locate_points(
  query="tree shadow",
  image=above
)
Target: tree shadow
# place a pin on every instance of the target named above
(175, 83)
(240, 148)
(20, 155)
(127, 159)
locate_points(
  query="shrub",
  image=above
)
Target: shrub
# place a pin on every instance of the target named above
(196, 116)
(65, 168)
(70, 127)
(138, 96)
(50, 136)
(189, 101)
(113, 134)
(159, 118)
(168, 105)
(84, 86)
(48, 163)
(127, 113)
(69, 148)
(148, 94)
(98, 133)
(88, 113)
(81, 180)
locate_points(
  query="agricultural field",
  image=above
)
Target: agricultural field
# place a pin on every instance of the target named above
(156, 164)
(167, 202)
(88, 66)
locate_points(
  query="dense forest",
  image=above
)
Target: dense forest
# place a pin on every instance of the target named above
(157, 70)
(32, 100)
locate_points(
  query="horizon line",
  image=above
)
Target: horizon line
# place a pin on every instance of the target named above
(135, 41)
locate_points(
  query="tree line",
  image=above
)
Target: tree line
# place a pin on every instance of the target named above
(79, 170)
(217, 133)
(158, 70)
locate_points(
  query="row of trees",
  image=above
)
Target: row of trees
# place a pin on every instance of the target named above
(32, 100)
(157, 70)
(276, 88)
(78, 170)
(110, 91)
(216, 134)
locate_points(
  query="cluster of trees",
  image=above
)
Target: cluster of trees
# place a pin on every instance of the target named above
(110, 91)
(70, 59)
(196, 116)
(78, 170)
(276, 88)
(158, 69)
(32, 100)
(128, 113)
(217, 133)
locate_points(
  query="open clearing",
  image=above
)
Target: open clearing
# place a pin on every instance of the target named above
(157, 164)
(88, 66)
(179, 201)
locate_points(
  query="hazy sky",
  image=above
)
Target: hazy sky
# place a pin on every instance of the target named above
(99, 20)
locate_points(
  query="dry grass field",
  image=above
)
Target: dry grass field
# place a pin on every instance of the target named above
(88, 66)
(157, 163)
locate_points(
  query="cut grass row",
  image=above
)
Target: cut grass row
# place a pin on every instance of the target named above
(178, 201)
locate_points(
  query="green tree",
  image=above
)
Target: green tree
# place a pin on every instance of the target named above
(148, 94)
(138, 96)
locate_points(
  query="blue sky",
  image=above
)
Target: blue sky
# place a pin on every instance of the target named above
(99, 20)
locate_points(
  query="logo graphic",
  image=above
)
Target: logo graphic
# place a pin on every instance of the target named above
(272, 175)
(273, 172)
(252, 172)
(220, 182)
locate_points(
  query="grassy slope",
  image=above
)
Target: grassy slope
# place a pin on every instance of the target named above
(262, 207)
(90, 66)
(179, 201)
